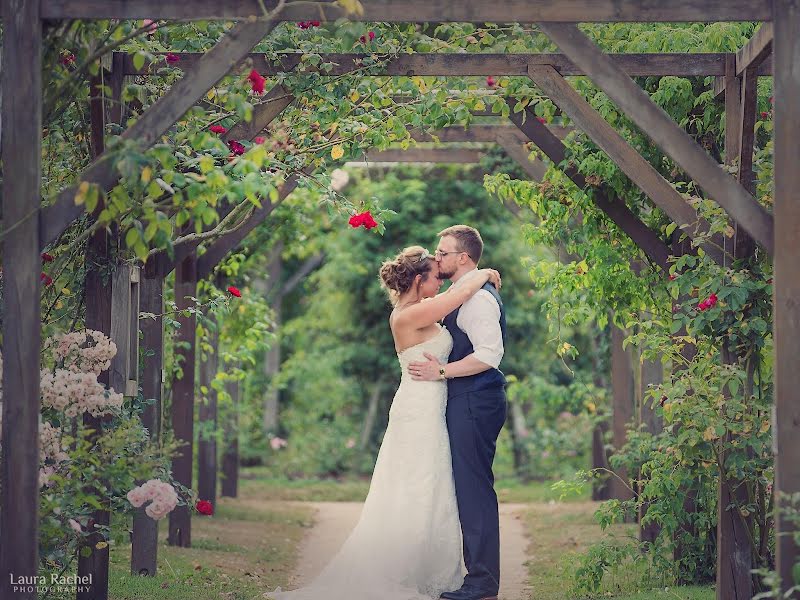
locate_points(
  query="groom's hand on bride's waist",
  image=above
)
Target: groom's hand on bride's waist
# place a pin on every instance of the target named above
(429, 370)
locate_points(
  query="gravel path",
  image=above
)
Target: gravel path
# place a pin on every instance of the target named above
(334, 521)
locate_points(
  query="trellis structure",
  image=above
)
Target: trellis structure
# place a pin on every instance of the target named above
(29, 227)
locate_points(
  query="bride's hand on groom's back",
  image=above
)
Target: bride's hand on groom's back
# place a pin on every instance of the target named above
(494, 277)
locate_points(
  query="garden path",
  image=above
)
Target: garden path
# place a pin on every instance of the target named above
(333, 522)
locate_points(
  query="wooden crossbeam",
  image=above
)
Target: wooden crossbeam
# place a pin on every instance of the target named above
(658, 125)
(417, 11)
(222, 246)
(156, 121)
(426, 155)
(433, 64)
(474, 133)
(616, 210)
(753, 54)
(273, 104)
(786, 324)
(513, 145)
(641, 172)
(22, 265)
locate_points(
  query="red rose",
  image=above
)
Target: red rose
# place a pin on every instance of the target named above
(217, 129)
(364, 219)
(234, 291)
(490, 82)
(703, 305)
(541, 120)
(259, 140)
(257, 81)
(672, 277)
(302, 24)
(764, 115)
(172, 58)
(204, 507)
(47, 257)
(363, 39)
(314, 23)
(371, 35)
(67, 59)
(712, 300)
(46, 279)
(236, 147)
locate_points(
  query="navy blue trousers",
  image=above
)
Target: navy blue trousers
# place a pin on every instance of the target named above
(474, 420)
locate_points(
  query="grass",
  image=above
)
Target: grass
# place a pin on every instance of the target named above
(247, 548)
(258, 480)
(250, 545)
(559, 532)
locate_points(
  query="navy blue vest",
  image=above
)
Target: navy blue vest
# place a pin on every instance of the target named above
(492, 378)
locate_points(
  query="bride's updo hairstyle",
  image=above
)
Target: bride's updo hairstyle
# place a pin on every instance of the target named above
(397, 275)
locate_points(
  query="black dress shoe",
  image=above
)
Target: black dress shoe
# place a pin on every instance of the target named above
(467, 594)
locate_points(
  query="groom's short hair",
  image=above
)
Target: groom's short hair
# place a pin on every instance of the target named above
(468, 240)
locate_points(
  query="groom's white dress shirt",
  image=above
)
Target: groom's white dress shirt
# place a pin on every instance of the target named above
(479, 318)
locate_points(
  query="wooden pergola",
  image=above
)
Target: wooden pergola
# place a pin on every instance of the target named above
(29, 227)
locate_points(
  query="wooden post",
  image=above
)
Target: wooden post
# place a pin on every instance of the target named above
(230, 453)
(651, 373)
(786, 327)
(98, 293)
(207, 419)
(22, 264)
(144, 540)
(180, 523)
(622, 386)
(272, 359)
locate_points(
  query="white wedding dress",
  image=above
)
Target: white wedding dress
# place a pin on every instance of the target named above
(407, 543)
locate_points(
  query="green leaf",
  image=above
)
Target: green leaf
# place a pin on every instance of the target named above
(138, 60)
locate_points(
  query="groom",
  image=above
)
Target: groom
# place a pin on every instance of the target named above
(476, 409)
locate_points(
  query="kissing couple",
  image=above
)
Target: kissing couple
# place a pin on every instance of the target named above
(431, 513)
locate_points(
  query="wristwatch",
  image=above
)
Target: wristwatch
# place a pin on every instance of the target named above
(441, 372)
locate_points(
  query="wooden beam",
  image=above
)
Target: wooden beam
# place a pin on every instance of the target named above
(456, 64)
(22, 265)
(474, 133)
(658, 125)
(622, 386)
(144, 539)
(180, 519)
(273, 104)
(418, 11)
(514, 146)
(207, 418)
(786, 324)
(230, 437)
(156, 121)
(641, 172)
(426, 155)
(753, 54)
(616, 210)
(222, 246)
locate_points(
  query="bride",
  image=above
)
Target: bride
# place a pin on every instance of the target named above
(407, 543)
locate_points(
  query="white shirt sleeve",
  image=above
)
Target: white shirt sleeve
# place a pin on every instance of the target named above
(479, 318)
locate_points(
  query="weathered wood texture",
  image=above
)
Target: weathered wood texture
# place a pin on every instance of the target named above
(641, 172)
(514, 146)
(754, 53)
(180, 521)
(427, 155)
(207, 419)
(651, 373)
(273, 104)
(123, 374)
(213, 65)
(437, 64)
(230, 451)
(144, 540)
(417, 11)
(622, 385)
(616, 210)
(220, 248)
(786, 326)
(666, 134)
(22, 264)
(474, 133)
